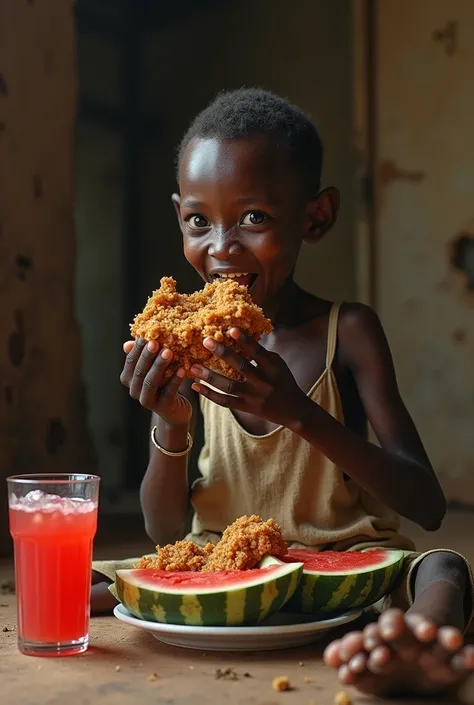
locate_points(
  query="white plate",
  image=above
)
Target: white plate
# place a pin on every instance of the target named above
(280, 631)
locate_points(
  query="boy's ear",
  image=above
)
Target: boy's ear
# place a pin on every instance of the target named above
(322, 213)
(176, 198)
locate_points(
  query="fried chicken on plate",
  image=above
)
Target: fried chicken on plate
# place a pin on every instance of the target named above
(242, 546)
(183, 555)
(180, 322)
(245, 542)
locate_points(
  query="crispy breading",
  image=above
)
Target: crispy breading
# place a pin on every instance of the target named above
(281, 683)
(183, 555)
(245, 542)
(180, 322)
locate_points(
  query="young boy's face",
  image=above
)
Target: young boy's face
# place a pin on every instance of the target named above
(243, 210)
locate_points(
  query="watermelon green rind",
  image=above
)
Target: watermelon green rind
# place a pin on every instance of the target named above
(332, 592)
(250, 601)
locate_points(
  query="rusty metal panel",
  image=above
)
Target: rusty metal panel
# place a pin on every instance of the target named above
(425, 220)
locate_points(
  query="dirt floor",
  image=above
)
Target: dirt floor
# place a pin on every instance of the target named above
(125, 666)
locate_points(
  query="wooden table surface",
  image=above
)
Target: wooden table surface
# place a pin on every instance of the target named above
(124, 666)
(117, 668)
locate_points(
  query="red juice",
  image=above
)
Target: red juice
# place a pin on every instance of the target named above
(53, 555)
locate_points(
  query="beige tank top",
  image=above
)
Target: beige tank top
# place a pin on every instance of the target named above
(280, 475)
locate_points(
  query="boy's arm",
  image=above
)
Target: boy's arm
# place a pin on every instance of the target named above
(398, 473)
(164, 494)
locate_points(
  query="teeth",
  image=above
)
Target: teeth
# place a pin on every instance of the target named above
(232, 275)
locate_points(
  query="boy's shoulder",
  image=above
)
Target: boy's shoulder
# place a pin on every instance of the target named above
(360, 333)
(355, 316)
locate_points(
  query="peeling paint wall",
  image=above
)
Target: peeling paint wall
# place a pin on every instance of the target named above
(42, 417)
(425, 203)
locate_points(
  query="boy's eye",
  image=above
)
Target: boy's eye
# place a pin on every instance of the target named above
(254, 218)
(197, 221)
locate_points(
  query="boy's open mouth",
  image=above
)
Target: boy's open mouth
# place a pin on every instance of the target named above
(243, 278)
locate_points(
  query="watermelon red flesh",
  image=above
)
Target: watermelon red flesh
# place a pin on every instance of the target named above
(179, 582)
(208, 599)
(336, 562)
(335, 582)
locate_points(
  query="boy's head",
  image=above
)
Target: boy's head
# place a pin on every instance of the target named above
(251, 112)
(249, 170)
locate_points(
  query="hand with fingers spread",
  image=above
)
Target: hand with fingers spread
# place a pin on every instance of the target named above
(144, 375)
(268, 390)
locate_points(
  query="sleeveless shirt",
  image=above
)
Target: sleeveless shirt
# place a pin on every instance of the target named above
(280, 475)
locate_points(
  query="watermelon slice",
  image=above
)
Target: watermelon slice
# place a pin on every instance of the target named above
(336, 581)
(223, 598)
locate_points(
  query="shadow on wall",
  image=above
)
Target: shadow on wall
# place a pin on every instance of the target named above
(462, 258)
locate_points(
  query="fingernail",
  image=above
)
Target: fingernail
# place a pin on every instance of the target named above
(388, 631)
(166, 354)
(209, 343)
(180, 373)
(152, 346)
(196, 370)
(196, 387)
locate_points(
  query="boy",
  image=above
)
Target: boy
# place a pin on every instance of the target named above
(289, 442)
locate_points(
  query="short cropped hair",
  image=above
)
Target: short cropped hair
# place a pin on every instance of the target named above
(253, 111)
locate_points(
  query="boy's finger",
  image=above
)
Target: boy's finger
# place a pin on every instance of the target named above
(155, 378)
(237, 362)
(218, 398)
(128, 346)
(226, 385)
(250, 347)
(131, 360)
(171, 389)
(142, 367)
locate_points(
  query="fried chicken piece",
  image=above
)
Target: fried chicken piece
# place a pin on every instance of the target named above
(146, 562)
(180, 322)
(183, 555)
(245, 542)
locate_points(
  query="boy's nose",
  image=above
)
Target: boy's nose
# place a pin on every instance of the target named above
(224, 245)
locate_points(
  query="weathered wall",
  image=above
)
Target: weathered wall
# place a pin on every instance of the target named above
(302, 52)
(99, 291)
(41, 412)
(99, 294)
(425, 204)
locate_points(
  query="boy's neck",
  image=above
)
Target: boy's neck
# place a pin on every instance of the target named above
(283, 308)
(293, 306)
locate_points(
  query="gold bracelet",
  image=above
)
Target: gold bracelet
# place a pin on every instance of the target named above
(179, 454)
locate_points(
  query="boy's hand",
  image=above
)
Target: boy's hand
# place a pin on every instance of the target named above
(269, 390)
(144, 375)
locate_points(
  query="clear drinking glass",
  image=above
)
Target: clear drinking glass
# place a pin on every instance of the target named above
(53, 520)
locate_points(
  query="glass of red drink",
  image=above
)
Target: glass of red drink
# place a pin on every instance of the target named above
(53, 520)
